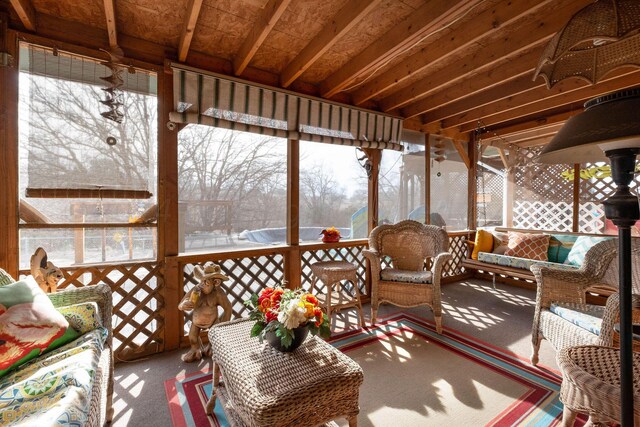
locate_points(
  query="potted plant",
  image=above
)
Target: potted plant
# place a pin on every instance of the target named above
(285, 317)
(330, 235)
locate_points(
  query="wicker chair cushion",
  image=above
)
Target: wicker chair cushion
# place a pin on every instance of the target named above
(586, 316)
(405, 276)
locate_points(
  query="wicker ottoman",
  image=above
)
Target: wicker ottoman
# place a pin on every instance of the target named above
(591, 384)
(262, 387)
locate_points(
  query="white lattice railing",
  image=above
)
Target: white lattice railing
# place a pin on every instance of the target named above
(591, 217)
(543, 215)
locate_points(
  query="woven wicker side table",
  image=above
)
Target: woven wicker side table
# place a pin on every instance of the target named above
(332, 273)
(591, 384)
(262, 387)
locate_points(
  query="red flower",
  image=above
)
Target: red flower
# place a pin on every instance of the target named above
(276, 296)
(317, 312)
(271, 316)
(310, 299)
(264, 305)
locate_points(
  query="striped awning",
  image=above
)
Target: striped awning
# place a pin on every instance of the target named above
(220, 101)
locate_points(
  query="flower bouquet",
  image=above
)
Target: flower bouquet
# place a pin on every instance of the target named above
(330, 235)
(286, 316)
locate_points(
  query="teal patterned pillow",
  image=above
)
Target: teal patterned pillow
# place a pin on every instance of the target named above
(559, 247)
(580, 248)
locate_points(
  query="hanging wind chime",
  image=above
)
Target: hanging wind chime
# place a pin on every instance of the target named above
(438, 154)
(114, 95)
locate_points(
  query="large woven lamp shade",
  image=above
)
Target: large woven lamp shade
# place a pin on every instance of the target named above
(598, 39)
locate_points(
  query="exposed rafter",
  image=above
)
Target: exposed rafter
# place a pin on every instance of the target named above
(341, 23)
(26, 13)
(435, 14)
(262, 27)
(193, 11)
(110, 13)
(447, 43)
(511, 41)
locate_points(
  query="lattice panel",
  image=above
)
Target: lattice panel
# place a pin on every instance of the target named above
(246, 277)
(490, 188)
(591, 218)
(351, 254)
(539, 182)
(138, 324)
(544, 216)
(458, 250)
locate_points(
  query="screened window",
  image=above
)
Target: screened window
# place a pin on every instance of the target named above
(78, 167)
(490, 185)
(449, 183)
(333, 191)
(232, 189)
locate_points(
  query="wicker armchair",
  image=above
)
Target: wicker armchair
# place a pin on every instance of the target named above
(409, 247)
(599, 271)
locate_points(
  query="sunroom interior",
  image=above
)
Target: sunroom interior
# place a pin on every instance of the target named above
(143, 140)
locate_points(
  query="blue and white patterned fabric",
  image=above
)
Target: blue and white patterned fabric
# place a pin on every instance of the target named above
(522, 263)
(581, 247)
(586, 316)
(408, 276)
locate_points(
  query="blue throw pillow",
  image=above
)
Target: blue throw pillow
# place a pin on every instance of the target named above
(559, 247)
(580, 248)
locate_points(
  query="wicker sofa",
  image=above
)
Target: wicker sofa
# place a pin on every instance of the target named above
(502, 266)
(72, 384)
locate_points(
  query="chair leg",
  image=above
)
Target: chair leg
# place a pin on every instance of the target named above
(438, 324)
(374, 313)
(354, 280)
(535, 348)
(568, 417)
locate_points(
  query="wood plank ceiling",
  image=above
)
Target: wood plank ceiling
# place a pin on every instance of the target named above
(450, 67)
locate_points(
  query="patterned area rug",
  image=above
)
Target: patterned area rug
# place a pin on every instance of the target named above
(413, 376)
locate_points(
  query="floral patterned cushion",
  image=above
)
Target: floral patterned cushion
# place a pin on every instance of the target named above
(54, 389)
(82, 317)
(395, 275)
(515, 262)
(586, 316)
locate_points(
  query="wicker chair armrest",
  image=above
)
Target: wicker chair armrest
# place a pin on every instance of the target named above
(612, 316)
(375, 259)
(439, 261)
(557, 285)
(100, 294)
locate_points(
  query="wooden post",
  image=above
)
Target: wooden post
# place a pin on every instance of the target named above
(292, 261)
(9, 205)
(576, 198)
(472, 187)
(168, 211)
(372, 211)
(427, 179)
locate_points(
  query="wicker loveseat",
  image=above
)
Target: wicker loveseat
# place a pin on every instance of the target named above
(562, 316)
(72, 384)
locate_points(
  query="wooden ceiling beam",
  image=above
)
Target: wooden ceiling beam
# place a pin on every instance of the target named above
(340, 24)
(259, 32)
(462, 152)
(26, 13)
(531, 123)
(190, 21)
(110, 14)
(511, 41)
(566, 93)
(452, 40)
(454, 98)
(434, 15)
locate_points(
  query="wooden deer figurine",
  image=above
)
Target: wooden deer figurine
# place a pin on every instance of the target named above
(44, 272)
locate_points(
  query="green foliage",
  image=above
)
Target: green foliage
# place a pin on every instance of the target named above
(257, 329)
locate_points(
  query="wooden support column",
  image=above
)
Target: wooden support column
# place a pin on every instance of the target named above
(292, 260)
(472, 187)
(374, 157)
(427, 179)
(9, 211)
(509, 192)
(576, 198)
(168, 211)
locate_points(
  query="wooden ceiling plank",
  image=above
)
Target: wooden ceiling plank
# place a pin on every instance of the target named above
(193, 12)
(259, 32)
(25, 11)
(506, 89)
(566, 93)
(462, 151)
(532, 123)
(340, 24)
(435, 14)
(110, 13)
(508, 43)
(451, 98)
(459, 37)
